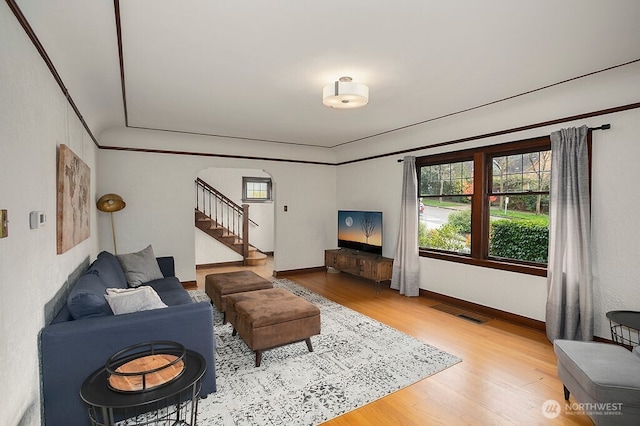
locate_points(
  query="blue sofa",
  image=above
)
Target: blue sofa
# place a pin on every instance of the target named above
(85, 333)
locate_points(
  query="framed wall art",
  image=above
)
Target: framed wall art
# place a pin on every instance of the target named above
(74, 189)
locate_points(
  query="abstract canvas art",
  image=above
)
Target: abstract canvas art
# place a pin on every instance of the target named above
(74, 188)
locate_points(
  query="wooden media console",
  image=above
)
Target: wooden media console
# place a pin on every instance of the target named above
(366, 265)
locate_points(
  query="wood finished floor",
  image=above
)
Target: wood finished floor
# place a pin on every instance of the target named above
(506, 374)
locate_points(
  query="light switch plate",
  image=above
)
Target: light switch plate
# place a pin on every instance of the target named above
(4, 224)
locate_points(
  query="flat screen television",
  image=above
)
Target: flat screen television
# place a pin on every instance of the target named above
(360, 230)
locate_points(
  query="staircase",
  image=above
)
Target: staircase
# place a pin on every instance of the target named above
(226, 221)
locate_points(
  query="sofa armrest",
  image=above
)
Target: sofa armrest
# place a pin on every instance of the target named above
(71, 351)
(167, 266)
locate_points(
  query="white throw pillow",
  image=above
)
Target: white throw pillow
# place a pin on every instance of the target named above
(140, 267)
(127, 300)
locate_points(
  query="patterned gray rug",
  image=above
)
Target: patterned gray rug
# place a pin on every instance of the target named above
(356, 360)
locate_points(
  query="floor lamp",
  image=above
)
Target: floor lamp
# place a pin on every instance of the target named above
(111, 203)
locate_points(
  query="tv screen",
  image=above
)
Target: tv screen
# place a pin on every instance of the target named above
(360, 231)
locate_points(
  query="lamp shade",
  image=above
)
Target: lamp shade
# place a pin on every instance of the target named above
(110, 203)
(345, 94)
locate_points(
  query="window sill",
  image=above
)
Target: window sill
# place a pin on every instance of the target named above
(540, 271)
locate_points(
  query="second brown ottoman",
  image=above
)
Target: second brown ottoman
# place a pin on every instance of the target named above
(274, 317)
(218, 286)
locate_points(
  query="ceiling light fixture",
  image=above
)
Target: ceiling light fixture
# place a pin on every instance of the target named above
(345, 94)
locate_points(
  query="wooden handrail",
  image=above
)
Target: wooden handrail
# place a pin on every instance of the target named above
(221, 197)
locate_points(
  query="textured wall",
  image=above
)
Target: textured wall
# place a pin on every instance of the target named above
(35, 120)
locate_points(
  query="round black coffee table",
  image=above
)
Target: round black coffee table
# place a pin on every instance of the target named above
(175, 403)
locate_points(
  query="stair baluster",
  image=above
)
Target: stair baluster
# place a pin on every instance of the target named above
(223, 219)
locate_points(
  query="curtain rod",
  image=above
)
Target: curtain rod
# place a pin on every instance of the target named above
(603, 127)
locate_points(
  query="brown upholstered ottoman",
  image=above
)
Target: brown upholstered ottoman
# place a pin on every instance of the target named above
(274, 317)
(219, 286)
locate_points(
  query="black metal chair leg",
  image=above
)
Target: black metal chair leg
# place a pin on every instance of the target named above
(566, 393)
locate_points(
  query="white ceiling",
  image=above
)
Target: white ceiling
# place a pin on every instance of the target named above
(255, 69)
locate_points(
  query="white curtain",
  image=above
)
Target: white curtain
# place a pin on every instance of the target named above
(569, 281)
(406, 271)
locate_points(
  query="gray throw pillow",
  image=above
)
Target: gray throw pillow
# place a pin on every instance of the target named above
(140, 267)
(125, 301)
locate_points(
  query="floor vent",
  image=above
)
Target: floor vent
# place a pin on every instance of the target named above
(462, 313)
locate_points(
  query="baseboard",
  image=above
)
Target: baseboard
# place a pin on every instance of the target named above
(279, 274)
(230, 263)
(497, 313)
(213, 265)
(190, 285)
(485, 310)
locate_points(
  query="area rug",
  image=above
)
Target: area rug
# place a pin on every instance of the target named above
(356, 360)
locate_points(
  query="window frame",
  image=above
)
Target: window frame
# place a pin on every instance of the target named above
(249, 179)
(483, 163)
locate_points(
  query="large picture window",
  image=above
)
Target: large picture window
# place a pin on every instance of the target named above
(487, 206)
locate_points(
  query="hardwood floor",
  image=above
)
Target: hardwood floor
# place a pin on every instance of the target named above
(506, 374)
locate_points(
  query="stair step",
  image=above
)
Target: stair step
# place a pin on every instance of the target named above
(234, 242)
(258, 258)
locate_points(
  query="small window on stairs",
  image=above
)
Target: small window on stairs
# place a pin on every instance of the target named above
(256, 189)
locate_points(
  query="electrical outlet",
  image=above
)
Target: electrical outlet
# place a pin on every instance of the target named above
(4, 224)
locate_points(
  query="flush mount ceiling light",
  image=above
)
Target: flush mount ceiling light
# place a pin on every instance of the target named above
(345, 94)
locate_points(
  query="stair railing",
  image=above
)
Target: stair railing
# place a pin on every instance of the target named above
(224, 211)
